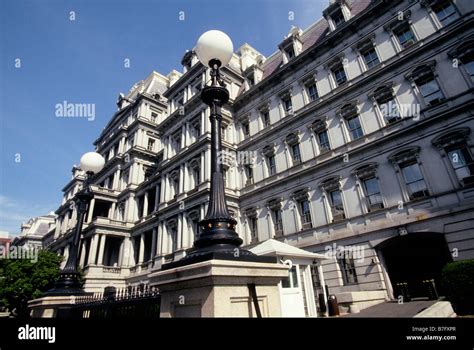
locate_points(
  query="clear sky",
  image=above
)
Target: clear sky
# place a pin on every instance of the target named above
(47, 58)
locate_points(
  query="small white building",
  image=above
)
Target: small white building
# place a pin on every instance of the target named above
(303, 292)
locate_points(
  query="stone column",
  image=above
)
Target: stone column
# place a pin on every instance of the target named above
(91, 210)
(100, 260)
(93, 249)
(142, 249)
(83, 254)
(153, 242)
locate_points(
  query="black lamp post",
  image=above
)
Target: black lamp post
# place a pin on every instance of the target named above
(69, 282)
(218, 238)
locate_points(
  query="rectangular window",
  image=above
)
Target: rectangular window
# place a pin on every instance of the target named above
(151, 144)
(445, 12)
(372, 192)
(292, 280)
(462, 163)
(154, 117)
(430, 91)
(355, 128)
(265, 118)
(253, 228)
(312, 92)
(339, 75)
(414, 180)
(295, 150)
(290, 53)
(271, 165)
(370, 57)
(174, 239)
(405, 37)
(305, 214)
(249, 173)
(196, 175)
(251, 79)
(246, 129)
(277, 222)
(323, 140)
(469, 66)
(348, 271)
(337, 208)
(287, 105)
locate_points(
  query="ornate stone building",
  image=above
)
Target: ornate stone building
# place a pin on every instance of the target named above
(353, 139)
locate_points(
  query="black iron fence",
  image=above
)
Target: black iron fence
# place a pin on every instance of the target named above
(141, 302)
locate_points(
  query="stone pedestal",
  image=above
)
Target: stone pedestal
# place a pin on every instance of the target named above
(47, 307)
(220, 288)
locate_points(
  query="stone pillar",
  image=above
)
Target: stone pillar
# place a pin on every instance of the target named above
(91, 210)
(93, 249)
(153, 243)
(159, 241)
(142, 249)
(179, 236)
(83, 254)
(121, 252)
(100, 260)
(145, 204)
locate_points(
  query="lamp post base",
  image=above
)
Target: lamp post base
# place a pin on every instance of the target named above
(218, 241)
(68, 283)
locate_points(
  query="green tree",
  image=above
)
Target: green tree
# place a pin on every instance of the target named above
(22, 280)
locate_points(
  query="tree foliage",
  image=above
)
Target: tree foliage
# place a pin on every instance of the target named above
(23, 279)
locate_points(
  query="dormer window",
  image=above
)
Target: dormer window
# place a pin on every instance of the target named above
(251, 78)
(338, 18)
(291, 45)
(337, 13)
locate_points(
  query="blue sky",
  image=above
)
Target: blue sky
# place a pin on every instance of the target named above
(82, 61)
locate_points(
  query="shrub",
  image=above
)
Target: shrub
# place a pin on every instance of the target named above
(458, 282)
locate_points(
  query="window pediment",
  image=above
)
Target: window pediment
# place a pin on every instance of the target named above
(382, 93)
(407, 155)
(366, 171)
(251, 212)
(397, 24)
(422, 72)
(331, 184)
(452, 137)
(275, 204)
(269, 150)
(293, 138)
(463, 52)
(300, 195)
(348, 110)
(319, 124)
